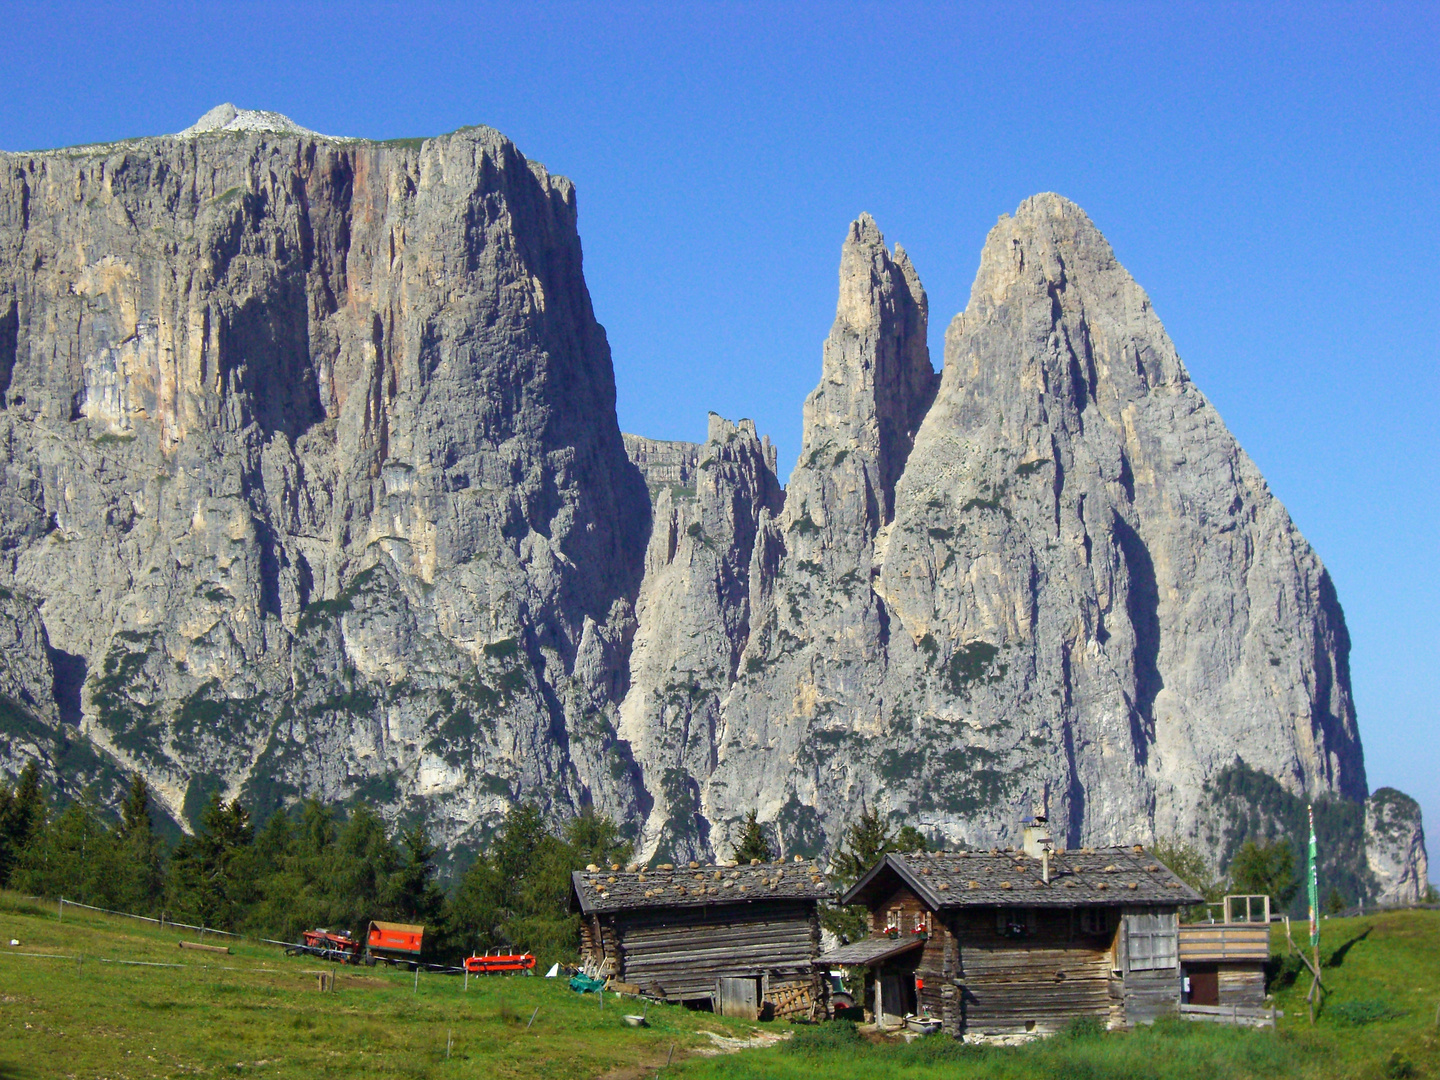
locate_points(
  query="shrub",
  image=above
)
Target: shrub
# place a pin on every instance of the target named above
(1084, 1027)
(833, 1036)
(1398, 1066)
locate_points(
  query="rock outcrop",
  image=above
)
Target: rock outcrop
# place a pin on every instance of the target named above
(1395, 848)
(312, 485)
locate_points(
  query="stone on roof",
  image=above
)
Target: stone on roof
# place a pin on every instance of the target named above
(1108, 876)
(663, 886)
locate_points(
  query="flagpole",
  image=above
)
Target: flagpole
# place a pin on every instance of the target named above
(1313, 891)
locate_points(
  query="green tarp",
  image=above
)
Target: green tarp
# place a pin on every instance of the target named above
(584, 984)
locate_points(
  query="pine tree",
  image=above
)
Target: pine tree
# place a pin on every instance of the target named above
(415, 895)
(74, 856)
(594, 838)
(753, 846)
(22, 817)
(212, 879)
(867, 841)
(1265, 868)
(142, 856)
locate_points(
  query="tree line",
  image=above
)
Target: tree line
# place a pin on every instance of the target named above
(305, 868)
(311, 867)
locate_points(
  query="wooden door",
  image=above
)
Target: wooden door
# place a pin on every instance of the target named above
(897, 997)
(740, 997)
(1204, 984)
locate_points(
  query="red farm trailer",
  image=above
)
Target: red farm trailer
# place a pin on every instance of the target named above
(394, 943)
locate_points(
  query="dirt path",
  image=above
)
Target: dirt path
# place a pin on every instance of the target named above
(652, 1063)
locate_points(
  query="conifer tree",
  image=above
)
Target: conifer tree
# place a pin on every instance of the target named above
(74, 856)
(142, 855)
(416, 896)
(867, 841)
(753, 844)
(22, 817)
(211, 879)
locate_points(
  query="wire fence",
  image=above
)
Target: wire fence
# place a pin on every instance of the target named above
(162, 922)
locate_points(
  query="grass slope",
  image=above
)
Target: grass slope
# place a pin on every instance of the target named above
(1379, 1022)
(69, 1013)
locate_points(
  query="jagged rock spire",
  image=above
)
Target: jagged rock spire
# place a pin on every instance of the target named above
(876, 383)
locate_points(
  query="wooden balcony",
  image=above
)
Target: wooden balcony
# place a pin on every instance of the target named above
(1212, 942)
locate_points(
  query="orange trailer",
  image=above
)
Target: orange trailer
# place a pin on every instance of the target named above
(499, 962)
(395, 943)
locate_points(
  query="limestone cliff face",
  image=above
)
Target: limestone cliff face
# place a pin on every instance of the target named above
(307, 468)
(1087, 546)
(1059, 583)
(1395, 848)
(712, 523)
(311, 484)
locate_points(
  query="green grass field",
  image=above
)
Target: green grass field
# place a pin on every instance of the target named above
(1379, 1022)
(258, 1012)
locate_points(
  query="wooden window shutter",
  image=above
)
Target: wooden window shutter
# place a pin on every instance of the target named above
(1151, 941)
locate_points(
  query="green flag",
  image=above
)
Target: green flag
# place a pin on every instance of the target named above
(1313, 885)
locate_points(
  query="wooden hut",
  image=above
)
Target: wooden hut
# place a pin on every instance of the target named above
(1223, 962)
(742, 940)
(1007, 942)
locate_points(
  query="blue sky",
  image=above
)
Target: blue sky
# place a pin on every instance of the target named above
(1269, 175)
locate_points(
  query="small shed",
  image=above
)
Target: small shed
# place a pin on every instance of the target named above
(1223, 961)
(1007, 942)
(741, 940)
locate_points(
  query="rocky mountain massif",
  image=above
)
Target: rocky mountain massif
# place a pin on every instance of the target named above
(312, 485)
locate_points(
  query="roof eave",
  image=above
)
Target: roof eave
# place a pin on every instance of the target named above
(896, 864)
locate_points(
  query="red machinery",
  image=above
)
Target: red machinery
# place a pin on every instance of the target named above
(395, 943)
(329, 945)
(498, 963)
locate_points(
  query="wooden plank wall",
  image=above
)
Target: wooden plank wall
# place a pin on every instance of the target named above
(1219, 941)
(1153, 991)
(1150, 995)
(1038, 982)
(680, 954)
(1242, 984)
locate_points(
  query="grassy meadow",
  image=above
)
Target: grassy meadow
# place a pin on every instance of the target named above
(69, 1013)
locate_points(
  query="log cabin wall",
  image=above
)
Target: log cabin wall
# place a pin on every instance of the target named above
(1006, 967)
(680, 954)
(1030, 970)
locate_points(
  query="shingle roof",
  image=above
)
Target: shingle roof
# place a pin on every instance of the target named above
(665, 886)
(869, 950)
(1083, 878)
